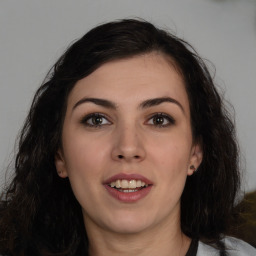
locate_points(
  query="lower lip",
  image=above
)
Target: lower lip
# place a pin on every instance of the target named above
(130, 196)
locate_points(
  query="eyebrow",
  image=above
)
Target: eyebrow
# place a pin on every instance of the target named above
(145, 104)
(100, 102)
(157, 101)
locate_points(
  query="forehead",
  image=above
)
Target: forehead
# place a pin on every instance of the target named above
(134, 79)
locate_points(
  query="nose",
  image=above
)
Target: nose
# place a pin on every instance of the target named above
(128, 145)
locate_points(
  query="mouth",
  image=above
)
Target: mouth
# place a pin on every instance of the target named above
(128, 187)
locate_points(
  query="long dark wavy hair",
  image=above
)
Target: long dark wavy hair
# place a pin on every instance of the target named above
(39, 214)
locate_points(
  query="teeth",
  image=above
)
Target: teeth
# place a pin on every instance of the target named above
(118, 184)
(138, 183)
(124, 184)
(131, 184)
(129, 190)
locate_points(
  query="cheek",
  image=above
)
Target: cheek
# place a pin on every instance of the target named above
(84, 157)
(172, 173)
(84, 165)
(172, 153)
(171, 161)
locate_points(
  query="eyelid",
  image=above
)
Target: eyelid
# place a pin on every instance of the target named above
(94, 114)
(170, 119)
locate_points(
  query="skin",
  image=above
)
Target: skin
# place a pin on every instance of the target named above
(162, 154)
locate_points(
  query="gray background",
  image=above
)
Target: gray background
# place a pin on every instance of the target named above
(34, 33)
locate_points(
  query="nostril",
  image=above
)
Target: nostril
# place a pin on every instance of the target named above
(122, 157)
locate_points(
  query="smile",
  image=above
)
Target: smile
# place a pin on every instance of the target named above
(128, 188)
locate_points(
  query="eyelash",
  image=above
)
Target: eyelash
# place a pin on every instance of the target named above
(94, 115)
(85, 120)
(170, 120)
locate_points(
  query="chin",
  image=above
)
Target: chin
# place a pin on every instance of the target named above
(128, 228)
(129, 223)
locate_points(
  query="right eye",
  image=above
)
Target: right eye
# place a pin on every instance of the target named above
(95, 120)
(161, 120)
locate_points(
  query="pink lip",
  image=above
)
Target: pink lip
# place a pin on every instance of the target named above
(128, 197)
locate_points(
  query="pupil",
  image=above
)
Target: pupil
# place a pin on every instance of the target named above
(97, 120)
(159, 120)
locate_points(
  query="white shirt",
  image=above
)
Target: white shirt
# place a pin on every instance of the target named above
(234, 247)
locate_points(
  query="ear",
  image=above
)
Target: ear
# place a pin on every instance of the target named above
(60, 164)
(195, 158)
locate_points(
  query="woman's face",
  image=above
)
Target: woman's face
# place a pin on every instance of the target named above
(127, 144)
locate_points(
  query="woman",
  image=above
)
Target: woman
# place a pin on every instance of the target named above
(127, 150)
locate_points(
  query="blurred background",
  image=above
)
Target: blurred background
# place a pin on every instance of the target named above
(34, 33)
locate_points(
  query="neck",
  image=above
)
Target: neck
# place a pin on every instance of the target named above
(162, 240)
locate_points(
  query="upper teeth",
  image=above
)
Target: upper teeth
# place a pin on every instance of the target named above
(128, 184)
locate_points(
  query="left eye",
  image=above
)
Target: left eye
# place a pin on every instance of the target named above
(95, 120)
(161, 120)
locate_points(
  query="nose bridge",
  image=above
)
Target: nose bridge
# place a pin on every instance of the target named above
(128, 144)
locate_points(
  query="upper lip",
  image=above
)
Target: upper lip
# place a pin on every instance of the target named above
(125, 176)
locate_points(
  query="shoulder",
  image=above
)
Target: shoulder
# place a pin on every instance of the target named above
(234, 247)
(238, 247)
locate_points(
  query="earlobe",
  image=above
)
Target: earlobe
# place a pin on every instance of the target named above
(196, 159)
(60, 164)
